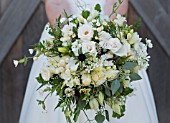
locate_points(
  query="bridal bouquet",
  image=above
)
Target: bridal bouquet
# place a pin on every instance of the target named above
(91, 62)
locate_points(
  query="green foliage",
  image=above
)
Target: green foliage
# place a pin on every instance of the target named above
(135, 77)
(115, 86)
(85, 14)
(129, 65)
(138, 24)
(107, 115)
(98, 7)
(100, 118)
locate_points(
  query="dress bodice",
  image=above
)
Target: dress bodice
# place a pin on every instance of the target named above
(77, 5)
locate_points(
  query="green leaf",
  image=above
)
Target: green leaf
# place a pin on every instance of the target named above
(107, 115)
(98, 7)
(115, 86)
(129, 65)
(107, 92)
(135, 77)
(85, 14)
(77, 113)
(100, 118)
(81, 104)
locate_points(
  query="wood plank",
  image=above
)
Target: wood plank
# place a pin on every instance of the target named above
(13, 21)
(157, 19)
(158, 71)
(14, 86)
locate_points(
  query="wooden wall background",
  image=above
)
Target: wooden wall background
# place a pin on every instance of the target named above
(26, 30)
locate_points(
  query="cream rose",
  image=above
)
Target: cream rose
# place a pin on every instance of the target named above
(86, 79)
(111, 74)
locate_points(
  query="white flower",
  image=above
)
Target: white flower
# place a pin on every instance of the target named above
(67, 30)
(120, 20)
(108, 63)
(86, 79)
(93, 14)
(135, 38)
(124, 50)
(75, 47)
(31, 51)
(112, 74)
(69, 92)
(45, 73)
(149, 43)
(94, 104)
(112, 44)
(72, 64)
(98, 76)
(85, 32)
(15, 63)
(104, 17)
(76, 81)
(88, 47)
(103, 36)
(106, 56)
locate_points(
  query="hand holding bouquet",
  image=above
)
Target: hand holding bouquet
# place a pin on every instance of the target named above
(91, 62)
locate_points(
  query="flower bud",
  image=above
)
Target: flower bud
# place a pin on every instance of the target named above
(94, 104)
(63, 49)
(101, 98)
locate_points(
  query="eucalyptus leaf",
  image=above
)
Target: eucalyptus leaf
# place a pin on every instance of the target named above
(81, 104)
(115, 86)
(129, 65)
(135, 77)
(100, 118)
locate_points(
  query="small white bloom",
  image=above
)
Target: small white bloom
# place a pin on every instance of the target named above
(45, 74)
(15, 63)
(89, 47)
(113, 44)
(149, 43)
(75, 47)
(99, 29)
(69, 92)
(120, 20)
(31, 51)
(135, 38)
(62, 20)
(85, 32)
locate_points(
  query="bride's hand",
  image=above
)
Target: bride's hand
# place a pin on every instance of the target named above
(54, 8)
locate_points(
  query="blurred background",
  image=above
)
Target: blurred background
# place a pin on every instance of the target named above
(21, 24)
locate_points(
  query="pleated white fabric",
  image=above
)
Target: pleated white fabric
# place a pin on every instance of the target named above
(140, 108)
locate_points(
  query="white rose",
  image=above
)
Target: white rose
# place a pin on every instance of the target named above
(135, 38)
(85, 32)
(68, 29)
(112, 44)
(45, 73)
(88, 47)
(112, 74)
(86, 79)
(120, 20)
(103, 36)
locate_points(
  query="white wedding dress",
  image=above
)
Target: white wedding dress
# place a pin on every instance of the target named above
(140, 108)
